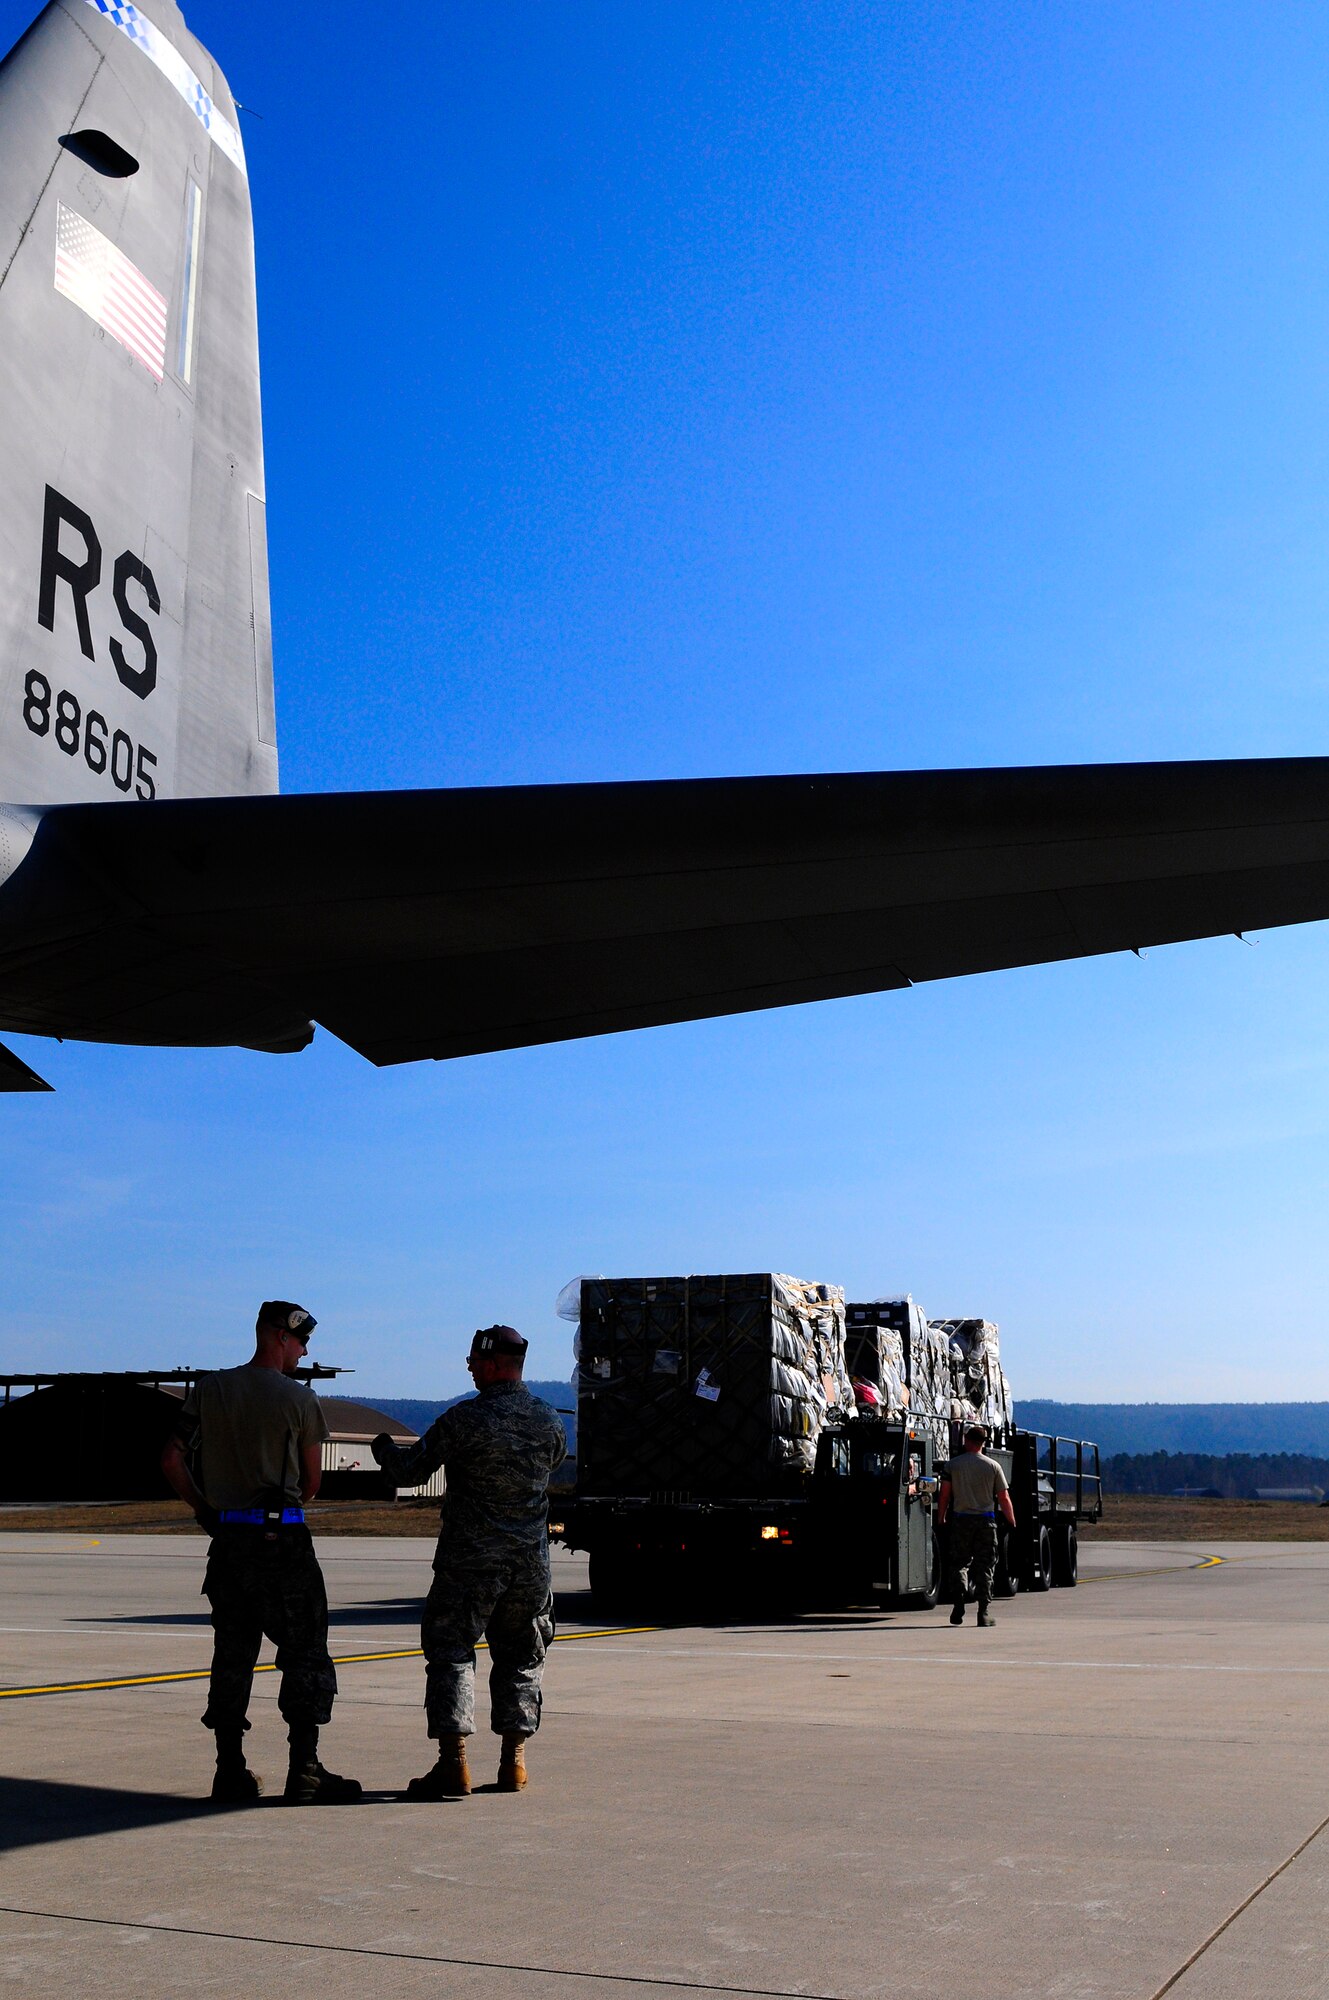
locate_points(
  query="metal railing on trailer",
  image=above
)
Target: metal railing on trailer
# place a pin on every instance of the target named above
(1069, 1477)
(1055, 1484)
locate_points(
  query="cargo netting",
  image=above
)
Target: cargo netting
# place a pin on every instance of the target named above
(706, 1385)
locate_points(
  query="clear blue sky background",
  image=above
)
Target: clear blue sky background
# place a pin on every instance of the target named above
(772, 387)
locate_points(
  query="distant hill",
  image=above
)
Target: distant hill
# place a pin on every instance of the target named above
(1262, 1429)
(418, 1413)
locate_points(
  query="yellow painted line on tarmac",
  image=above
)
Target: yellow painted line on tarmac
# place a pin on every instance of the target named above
(270, 1667)
(1162, 1569)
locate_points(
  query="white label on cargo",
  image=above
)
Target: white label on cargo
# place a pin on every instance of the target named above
(708, 1391)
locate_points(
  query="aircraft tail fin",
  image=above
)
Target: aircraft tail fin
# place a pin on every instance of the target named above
(135, 653)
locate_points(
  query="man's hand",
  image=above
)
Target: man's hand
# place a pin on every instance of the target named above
(381, 1446)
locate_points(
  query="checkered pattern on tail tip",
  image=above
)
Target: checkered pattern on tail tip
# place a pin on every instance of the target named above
(164, 55)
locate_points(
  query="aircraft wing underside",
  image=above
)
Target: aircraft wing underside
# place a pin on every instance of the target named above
(432, 924)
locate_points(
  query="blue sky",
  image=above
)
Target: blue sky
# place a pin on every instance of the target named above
(694, 390)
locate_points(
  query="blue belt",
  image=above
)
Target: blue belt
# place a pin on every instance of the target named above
(260, 1517)
(964, 1513)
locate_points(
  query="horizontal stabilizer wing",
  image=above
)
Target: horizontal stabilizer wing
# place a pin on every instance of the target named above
(15, 1074)
(445, 923)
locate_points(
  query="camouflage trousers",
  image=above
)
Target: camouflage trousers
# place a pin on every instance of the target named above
(263, 1583)
(506, 1597)
(971, 1549)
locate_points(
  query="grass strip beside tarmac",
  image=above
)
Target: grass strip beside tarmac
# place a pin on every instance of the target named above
(1128, 1517)
(1157, 1517)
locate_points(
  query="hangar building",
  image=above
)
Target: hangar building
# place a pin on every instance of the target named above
(99, 1437)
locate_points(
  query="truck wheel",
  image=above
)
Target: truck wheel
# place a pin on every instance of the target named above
(1043, 1579)
(1066, 1556)
(1006, 1582)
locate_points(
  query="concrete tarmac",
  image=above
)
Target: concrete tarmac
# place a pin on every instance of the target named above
(855, 1804)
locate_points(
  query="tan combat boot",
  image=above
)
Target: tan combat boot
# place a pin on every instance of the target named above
(512, 1762)
(450, 1777)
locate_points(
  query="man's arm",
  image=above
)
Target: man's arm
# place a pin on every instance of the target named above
(1004, 1503)
(943, 1502)
(181, 1479)
(412, 1464)
(311, 1470)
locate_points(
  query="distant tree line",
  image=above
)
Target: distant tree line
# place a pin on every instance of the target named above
(1262, 1429)
(1236, 1475)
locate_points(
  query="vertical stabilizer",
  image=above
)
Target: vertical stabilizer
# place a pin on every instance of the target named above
(134, 628)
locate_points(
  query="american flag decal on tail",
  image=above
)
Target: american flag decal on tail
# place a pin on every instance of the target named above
(99, 278)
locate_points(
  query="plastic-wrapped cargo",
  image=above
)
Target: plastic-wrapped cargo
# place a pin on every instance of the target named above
(932, 1374)
(876, 1331)
(874, 1348)
(979, 1386)
(879, 1336)
(706, 1385)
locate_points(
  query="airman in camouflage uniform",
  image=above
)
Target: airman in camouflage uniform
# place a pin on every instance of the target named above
(491, 1567)
(246, 1454)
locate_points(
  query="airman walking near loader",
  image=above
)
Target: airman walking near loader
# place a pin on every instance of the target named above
(491, 1567)
(254, 1439)
(973, 1492)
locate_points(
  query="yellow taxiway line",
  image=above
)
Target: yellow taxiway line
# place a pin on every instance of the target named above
(270, 1667)
(1168, 1569)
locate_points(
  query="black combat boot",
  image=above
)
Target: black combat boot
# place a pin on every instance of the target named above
(957, 1612)
(985, 1616)
(234, 1784)
(307, 1783)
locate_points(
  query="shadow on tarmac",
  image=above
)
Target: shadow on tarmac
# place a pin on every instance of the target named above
(571, 1607)
(391, 1611)
(577, 1607)
(37, 1812)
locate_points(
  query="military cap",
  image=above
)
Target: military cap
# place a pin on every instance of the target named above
(286, 1317)
(497, 1342)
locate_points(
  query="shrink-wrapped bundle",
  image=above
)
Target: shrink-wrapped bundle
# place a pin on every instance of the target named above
(872, 1330)
(875, 1353)
(979, 1389)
